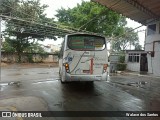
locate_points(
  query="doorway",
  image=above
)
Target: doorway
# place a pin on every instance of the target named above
(144, 63)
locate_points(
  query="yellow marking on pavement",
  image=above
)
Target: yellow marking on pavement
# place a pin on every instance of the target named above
(12, 108)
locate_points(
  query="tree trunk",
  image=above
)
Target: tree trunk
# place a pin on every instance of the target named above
(19, 49)
(19, 57)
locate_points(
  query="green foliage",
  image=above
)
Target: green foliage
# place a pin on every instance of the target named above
(138, 47)
(34, 47)
(130, 38)
(10, 45)
(92, 17)
(57, 52)
(41, 57)
(27, 10)
(121, 65)
(7, 47)
(122, 59)
(30, 58)
(16, 45)
(17, 37)
(7, 6)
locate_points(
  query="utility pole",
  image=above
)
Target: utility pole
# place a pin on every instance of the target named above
(0, 48)
(111, 45)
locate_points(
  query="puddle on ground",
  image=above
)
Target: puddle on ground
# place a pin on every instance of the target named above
(3, 84)
(140, 84)
(59, 104)
(16, 74)
(57, 79)
(43, 73)
(46, 81)
(15, 83)
(2, 88)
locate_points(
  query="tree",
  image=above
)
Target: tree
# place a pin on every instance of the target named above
(35, 48)
(128, 39)
(7, 46)
(27, 10)
(7, 6)
(138, 46)
(92, 17)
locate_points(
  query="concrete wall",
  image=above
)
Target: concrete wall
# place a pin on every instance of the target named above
(12, 58)
(132, 66)
(51, 58)
(114, 59)
(154, 62)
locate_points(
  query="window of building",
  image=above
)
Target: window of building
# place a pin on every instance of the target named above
(151, 29)
(133, 57)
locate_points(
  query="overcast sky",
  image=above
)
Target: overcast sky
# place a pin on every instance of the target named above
(57, 4)
(51, 11)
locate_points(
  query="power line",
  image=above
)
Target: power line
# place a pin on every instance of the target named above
(62, 28)
(18, 23)
(0, 48)
(141, 30)
(50, 23)
(98, 15)
(58, 28)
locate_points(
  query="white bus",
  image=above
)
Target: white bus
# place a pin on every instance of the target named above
(83, 57)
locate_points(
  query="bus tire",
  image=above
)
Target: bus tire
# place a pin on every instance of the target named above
(90, 82)
(62, 81)
(60, 77)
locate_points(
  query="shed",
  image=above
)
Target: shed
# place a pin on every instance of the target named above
(136, 60)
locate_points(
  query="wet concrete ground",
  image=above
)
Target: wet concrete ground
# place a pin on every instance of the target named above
(118, 93)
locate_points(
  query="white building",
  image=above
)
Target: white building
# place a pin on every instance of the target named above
(54, 48)
(50, 48)
(152, 47)
(146, 12)
(136, 60)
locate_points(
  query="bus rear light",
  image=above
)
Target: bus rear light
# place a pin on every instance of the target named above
(105, 67)
(66, 65)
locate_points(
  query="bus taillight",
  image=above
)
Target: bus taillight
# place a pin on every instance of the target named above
(66, 67)
(105, 67)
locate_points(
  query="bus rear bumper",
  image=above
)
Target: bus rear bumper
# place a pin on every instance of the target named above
(69, 77)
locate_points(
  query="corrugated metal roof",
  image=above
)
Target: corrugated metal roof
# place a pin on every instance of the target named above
(138, 10)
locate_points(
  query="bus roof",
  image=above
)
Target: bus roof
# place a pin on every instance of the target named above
(80, 33)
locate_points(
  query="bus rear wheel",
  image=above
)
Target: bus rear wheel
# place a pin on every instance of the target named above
(62, 79)
(62, 82)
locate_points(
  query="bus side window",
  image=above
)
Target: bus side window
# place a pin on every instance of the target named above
(61, 51)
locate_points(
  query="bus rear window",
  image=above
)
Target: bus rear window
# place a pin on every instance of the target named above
(86, 42)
